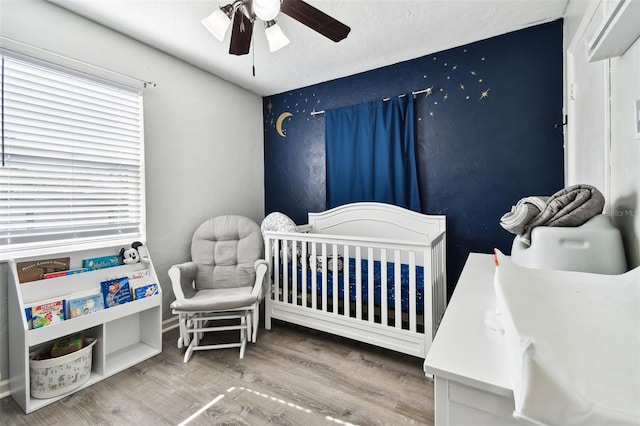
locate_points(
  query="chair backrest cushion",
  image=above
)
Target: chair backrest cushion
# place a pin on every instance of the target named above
(225, 249)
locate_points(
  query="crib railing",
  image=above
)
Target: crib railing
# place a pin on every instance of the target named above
(286, 252)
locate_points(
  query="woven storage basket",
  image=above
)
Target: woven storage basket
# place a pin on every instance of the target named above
(57, 376)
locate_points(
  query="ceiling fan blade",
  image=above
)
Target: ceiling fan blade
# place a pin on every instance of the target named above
(241, 34)
(315, 19)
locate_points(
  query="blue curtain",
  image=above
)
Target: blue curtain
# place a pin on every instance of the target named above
(371, 153)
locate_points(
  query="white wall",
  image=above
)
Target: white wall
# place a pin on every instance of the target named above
(625, 149)
(204, 137)
(601, 146)
(584, 104)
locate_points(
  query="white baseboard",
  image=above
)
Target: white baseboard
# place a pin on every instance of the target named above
(169, 324)
(4, 388)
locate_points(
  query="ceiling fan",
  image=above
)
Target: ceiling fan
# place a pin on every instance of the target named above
(245, 12)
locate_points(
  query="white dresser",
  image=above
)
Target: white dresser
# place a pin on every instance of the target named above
(468, 358)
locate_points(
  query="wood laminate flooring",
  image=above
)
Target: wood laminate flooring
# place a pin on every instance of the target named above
(290, 376)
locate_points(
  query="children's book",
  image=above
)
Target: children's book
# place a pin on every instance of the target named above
(64, 273)
(146, 290)
(47, 313)
(136, 278)
(28, 314)
(85, 305)
(141, 284)
(33, 270)
(101, 262)
(115, 292)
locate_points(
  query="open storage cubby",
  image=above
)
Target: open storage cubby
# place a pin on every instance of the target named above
(126, 334)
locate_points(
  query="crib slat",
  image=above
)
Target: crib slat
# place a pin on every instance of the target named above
(304, 269)
(277, 282)
(334, 254)
(397, 289)
(314, 279)
(370, 285)
(294, 271)
(384, 299)
(324, 277)
(412, 291)
(267, 246)
(346, 282)
(358, 267)
(285, 271)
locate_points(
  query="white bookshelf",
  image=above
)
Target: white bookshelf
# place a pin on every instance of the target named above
(126, 334)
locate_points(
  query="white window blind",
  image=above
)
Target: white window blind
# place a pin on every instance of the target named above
(72, 158)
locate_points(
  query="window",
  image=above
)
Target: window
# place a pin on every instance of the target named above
(72, 158)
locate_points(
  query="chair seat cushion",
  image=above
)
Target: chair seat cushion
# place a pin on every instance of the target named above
(216, 300)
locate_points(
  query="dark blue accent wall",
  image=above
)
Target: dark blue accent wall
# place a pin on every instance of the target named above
(486, 134)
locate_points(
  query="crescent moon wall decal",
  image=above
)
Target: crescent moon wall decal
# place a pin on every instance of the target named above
(282, 132)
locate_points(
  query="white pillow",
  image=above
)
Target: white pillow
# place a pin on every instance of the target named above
(277, 221)
(280, 222)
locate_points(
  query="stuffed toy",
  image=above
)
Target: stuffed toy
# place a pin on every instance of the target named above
(134, 254)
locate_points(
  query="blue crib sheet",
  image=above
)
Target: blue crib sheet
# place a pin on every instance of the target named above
(377, 271)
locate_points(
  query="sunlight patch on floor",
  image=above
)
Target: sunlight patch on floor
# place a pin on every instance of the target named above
(263, 395)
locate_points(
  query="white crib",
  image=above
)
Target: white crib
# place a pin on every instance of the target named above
(357, 243)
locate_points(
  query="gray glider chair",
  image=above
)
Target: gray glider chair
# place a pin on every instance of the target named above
(223, 282)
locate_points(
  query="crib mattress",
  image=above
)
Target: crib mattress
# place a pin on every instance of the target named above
(573, 344)
(364, 285)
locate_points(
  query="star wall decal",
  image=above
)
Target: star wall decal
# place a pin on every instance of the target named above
(460, 87)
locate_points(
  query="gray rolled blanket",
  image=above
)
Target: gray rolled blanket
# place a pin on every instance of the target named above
(522, 213)
(571, 206)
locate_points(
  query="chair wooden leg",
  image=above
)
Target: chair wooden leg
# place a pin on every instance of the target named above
(255, 315)
(180, 342)
(243, 334)
(190, 349)
(249, 325)
(184, 338)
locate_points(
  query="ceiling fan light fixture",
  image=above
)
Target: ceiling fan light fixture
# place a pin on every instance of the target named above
(242, 15)
(266, 10)
(276, 38)
(219, 21)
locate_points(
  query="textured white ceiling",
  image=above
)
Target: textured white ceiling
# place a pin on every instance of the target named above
(382, 33)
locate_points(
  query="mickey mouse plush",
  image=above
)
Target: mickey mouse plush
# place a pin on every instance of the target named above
(136, 253)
